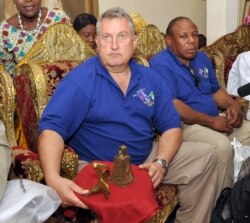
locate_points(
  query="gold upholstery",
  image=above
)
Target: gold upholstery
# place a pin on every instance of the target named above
(233, 43)
(150, 41)
(7, 105)
(224, 51)
(139, 22)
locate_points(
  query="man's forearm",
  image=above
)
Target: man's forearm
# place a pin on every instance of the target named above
(50, 150)
(191, 117)
(169, 144)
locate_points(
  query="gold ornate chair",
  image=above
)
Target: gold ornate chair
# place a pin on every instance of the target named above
(223, 53)
(57, 51)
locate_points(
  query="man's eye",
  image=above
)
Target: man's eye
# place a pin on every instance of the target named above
(106, 37)
(122, 36)
(195, 35)
(183, 36)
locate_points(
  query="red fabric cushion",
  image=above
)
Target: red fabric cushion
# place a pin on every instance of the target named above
(26, 105)
(55, 72)
(134, 203)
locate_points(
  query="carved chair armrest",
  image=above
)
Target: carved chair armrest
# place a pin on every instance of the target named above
(7, 105)
(244, 104)
(27, 164)
(167, 199)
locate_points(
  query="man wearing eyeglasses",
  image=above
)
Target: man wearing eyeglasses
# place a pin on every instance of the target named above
(198, 97)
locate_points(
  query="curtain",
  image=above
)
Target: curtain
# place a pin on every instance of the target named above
(76, 7)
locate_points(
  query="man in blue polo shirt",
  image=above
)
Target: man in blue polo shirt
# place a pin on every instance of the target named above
(198, 96)
(110, 100)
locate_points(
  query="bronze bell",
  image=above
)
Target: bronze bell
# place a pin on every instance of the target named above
(122, 173)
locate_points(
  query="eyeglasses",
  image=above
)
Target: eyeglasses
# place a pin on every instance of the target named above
(197, 80)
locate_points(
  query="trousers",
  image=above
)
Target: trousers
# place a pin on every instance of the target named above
(5, 159)
(193, 170)
(222, 145)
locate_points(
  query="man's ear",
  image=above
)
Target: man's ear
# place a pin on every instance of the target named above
(168, 40)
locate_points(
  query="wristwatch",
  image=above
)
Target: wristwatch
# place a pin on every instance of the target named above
(163, 163)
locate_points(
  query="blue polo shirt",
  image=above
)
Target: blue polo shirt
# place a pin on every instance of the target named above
(181, 83)
(94, 117)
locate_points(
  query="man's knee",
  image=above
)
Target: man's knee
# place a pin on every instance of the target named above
(202, 150)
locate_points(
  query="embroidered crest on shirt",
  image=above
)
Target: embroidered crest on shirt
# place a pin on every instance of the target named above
(146, 99)
(204, 72)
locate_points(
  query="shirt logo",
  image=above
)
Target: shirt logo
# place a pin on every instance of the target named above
(146, 99)
(204, 73)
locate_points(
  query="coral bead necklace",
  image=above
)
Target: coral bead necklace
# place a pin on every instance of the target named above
(32, 32)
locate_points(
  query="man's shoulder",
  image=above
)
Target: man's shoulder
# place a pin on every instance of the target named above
(160, 56)
(147, 73)
(201, 55)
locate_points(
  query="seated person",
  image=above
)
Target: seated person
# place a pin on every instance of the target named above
(5, 159)
(10, 8)
(140, 103)
(22, 30)
(239, 75)
(202, 40)
(85, 25)
(198, 96)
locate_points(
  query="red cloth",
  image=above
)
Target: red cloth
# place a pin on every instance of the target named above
(134, 204)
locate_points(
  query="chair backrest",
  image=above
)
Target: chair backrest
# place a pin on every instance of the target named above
(233, 43)
(150, 41)
(58, 50)
(224, 51)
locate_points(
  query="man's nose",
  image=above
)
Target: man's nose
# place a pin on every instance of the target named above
(114, 43)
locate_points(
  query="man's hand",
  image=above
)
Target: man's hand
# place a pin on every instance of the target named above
(221, 124)
(155, 171)
(65, 189)
(234, 115)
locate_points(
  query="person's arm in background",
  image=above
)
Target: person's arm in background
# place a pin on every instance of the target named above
(5, 159)
(50, 150)
(190, 116)
(232, 109)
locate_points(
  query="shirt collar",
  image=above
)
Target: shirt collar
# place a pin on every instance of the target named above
(192, 62)
(101, 70)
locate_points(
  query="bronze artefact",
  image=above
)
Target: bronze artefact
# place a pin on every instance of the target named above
(122, 173)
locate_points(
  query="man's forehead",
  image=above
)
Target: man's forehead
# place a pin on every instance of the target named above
(110, 25)
(184, 26)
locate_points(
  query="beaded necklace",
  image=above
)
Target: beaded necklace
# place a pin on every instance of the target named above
(32, 32)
